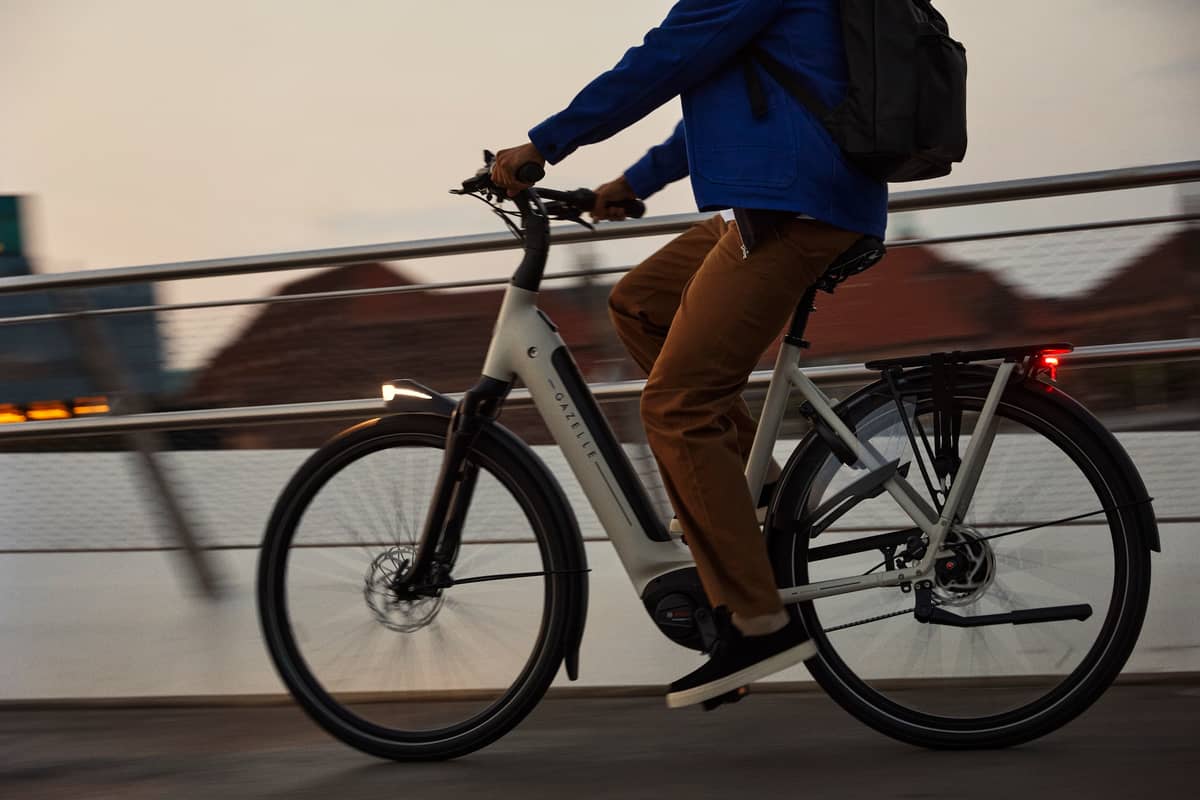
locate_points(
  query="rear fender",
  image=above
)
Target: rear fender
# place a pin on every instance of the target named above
(785, 501)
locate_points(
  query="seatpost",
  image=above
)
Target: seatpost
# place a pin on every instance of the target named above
(795, 333)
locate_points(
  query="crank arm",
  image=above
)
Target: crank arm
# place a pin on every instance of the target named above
(940, 616)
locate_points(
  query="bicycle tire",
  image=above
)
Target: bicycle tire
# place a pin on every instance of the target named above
(1107, 466)
(544, 506)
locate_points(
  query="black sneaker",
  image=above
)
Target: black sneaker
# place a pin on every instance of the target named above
(764, 503)
(737, 660)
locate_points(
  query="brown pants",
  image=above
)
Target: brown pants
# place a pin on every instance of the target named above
(697, 316)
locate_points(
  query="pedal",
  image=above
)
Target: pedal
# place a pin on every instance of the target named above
(729, 697)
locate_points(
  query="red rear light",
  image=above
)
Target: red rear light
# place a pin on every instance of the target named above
(1050, 365)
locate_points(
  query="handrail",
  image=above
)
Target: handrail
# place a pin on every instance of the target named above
(997, 191)
(1051, 186)
(344, 294)
(1162, 350)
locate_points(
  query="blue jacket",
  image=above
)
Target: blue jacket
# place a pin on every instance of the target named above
(785, 161)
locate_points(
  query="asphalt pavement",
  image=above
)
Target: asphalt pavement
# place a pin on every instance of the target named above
(1139, 741)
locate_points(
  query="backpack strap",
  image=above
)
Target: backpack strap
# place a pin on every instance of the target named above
(755, 56)
(754, 87)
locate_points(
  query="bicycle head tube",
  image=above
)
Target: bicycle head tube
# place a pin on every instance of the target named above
(536, 229)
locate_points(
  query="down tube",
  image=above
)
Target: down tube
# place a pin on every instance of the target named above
(597, 459)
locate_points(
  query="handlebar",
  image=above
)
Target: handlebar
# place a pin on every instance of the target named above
(536, 208)
(562, 204)
(583, 200)
(580, 200)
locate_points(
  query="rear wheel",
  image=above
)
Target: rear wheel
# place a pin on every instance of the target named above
(1053, 523)
(393, 673)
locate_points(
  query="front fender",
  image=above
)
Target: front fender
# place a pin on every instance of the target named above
(409, 397)
(569, 538)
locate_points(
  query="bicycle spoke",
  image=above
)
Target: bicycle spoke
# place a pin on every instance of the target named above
(361, 636)
(1064, 520)
(1037, 537)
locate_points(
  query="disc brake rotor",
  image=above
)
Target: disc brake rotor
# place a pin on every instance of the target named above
(393, 610)
(969, 573)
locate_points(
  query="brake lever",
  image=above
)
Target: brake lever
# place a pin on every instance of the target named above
(566, 213)
(481, 183)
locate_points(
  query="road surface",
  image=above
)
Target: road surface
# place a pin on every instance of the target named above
(1139, 741)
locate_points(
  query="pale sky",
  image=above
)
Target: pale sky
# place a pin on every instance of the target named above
(161, 130)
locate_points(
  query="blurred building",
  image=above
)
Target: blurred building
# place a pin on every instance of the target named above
(344, 349)
(42, 372)
(920, 299)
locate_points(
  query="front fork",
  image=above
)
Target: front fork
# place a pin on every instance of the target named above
(441, 536)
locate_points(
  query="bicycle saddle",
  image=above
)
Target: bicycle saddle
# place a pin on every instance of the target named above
(860, 256)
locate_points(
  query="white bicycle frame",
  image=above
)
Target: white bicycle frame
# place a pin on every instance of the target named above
(526, 345)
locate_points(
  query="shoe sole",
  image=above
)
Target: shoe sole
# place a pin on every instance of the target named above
(752, 673)
(675, 529)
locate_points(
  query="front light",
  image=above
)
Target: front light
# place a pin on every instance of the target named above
(391, 392)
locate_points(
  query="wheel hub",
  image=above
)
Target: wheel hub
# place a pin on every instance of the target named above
(394, 606)
(962, 578)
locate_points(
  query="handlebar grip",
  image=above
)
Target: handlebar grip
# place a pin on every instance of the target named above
(530, 173)
(584, 199)
(633, 208)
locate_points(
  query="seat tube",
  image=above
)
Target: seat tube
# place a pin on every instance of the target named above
(771, 419)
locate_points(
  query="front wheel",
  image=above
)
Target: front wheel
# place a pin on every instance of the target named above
(391, 673)
(1054, 523)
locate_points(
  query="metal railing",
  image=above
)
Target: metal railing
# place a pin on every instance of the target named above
(1100, 355)
(1001, 191)
(995, 192)
(343, 294)
(134, 426)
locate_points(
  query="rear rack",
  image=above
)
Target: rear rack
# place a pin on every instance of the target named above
(1016, 354)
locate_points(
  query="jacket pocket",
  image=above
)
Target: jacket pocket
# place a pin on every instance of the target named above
(732, 147)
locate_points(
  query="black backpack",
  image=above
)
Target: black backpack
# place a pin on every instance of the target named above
(904, 117)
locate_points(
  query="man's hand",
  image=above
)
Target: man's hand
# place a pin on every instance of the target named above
(504, 168)
(612, 192)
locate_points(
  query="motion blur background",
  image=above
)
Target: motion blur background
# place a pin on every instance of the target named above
(138, 131)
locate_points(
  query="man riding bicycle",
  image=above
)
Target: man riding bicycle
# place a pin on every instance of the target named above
(698, 314)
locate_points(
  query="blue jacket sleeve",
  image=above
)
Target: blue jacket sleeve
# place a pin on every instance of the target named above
(664, 163)
(697, 38)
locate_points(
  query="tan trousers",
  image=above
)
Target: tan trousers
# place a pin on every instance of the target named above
(697, 317)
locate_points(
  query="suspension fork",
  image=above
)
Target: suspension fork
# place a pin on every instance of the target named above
(441, 536)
